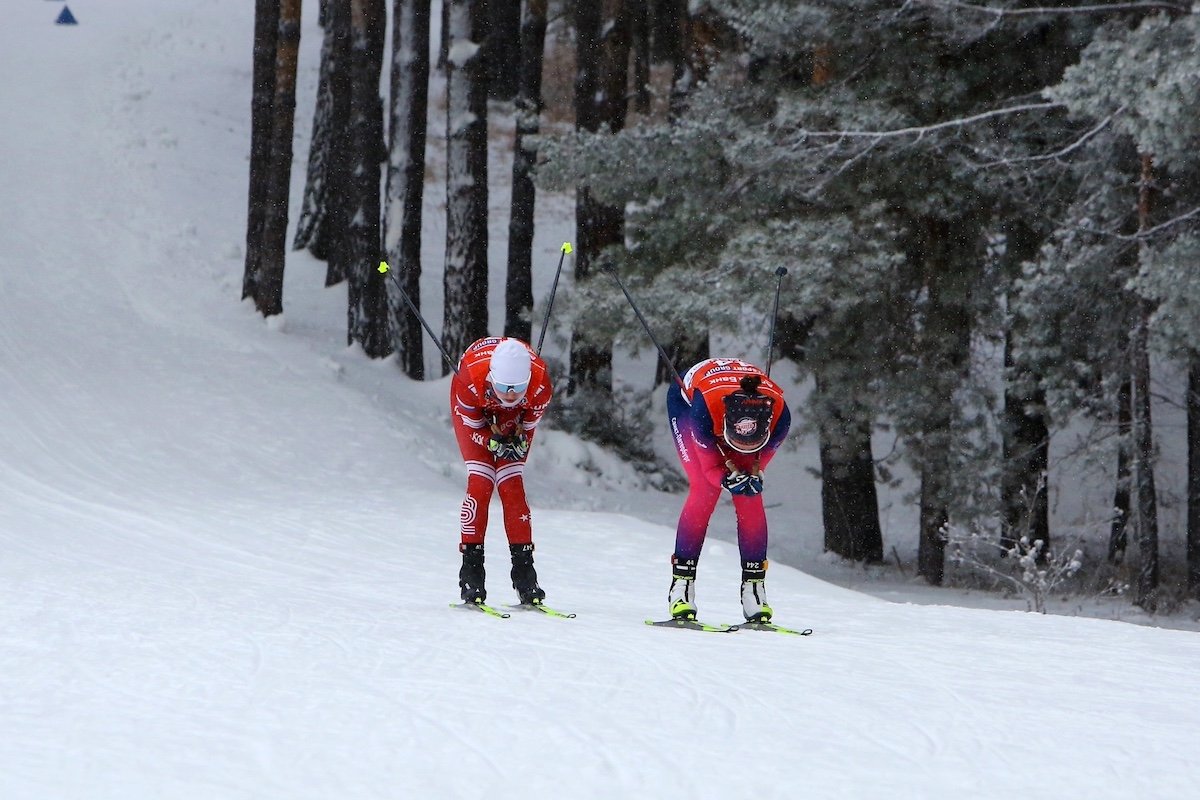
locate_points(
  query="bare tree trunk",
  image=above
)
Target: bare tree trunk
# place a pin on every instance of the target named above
(849, 502)
(269, 294)
(518, 288)
(1025, 448)
(1193, 479)
(310, 230)
(367, 307)
(1143, 470)
(465, 277)
(444, 36)
(1143, 431)
(1118, 538)
(335, 224)
(504, 48)
(639, 23)
(673, 26)
(602, 35)
(406, 173)
(612, 77)
(665, 29)
(683, 76)
(266, 33)
(931, 551)
(944, 355)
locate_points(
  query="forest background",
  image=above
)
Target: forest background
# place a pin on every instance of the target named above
(987, 214)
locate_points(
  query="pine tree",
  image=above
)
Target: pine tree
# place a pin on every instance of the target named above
(1139, 82)
(909, 143)
(406, 173)
(310, 226)
(324, 216)
(266, 33)
(504, 48)
(266, 279)
(367, 306)
(601, 75)
(518, 288)
(465, 277)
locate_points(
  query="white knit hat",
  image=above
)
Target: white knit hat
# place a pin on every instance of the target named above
(511, 363)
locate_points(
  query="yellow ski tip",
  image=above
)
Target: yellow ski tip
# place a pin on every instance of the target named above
(383, 266)
(566, 248)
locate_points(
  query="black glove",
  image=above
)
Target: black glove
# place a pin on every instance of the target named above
(509, 448)
(518, 447)
(754, 485)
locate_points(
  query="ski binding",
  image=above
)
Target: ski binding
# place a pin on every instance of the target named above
(692, 624)
(486, 609)
(537, 605)
(771, 626)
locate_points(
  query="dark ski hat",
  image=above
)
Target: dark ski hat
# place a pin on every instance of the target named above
(748, 420)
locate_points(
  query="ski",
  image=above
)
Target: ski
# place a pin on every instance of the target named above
(692, 625)
(537, 606)
(771, 626)
(486, 609)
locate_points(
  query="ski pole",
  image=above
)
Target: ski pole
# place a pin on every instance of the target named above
(386, 270)
(781, 271)
(610, 269)
(566, 248)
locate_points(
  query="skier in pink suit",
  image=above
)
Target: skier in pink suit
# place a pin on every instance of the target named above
(727, 420)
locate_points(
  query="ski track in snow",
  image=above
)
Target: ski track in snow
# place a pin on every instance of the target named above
(228, 550)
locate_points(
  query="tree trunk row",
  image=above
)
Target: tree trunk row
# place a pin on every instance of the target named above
(273, 105)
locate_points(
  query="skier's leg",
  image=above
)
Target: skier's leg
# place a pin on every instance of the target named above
(510, 485)
(511, 488)
(693, 519)
(702, 495)
(751, 527)
(473, 518)
(697, 508)
(752, 536)
(752, 545)
(481, 480)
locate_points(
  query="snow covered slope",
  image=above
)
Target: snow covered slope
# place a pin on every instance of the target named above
(227, 548)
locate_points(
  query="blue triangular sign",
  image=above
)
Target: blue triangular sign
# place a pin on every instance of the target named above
(66, 17)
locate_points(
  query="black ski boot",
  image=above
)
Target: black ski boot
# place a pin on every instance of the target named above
(524, 576)
(471, 576)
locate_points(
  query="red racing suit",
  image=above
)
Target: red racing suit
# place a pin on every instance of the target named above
(477, 414)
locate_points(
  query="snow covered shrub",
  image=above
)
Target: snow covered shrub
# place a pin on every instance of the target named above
(1024, 566)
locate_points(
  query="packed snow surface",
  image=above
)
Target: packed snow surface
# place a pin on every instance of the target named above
(228, 548)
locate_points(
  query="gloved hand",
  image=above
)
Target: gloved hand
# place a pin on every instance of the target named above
(735, 481)
(518, 447)
(742, 483)
(509, 448)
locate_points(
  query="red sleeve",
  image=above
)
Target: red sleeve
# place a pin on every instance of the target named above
(538, 397)
(465, 402)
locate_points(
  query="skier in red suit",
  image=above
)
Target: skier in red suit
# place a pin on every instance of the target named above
(499, 393)
(727, 421)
